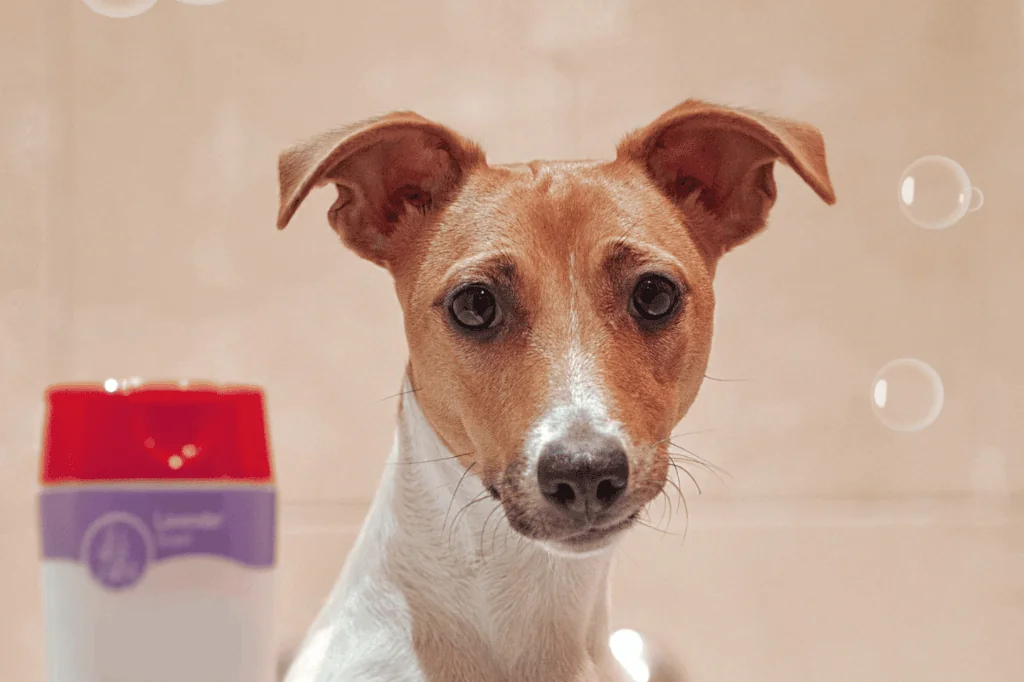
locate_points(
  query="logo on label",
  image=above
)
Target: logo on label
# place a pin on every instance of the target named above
(117, 548)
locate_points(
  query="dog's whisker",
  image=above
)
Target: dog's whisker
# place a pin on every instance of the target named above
(686, 511)
(670, 511)
(654, 528)
(692, 433)
(464, 508)
(726, 381)
(669, 439)
(677, 484)
(694, 458)
(680, 467)
(456, 492)
(483, 528)
(668, 505)
(494, 535)
(693, 454)
(399, 395)
(455, 519)
(659, 442)
(428, 461)
(678, 458)
(661, 518)
(504, 547)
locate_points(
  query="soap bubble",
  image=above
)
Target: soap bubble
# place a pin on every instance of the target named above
(935, 193)
(119, 9)
(907, 395)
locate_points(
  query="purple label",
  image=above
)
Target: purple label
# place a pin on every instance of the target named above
(117, 549)
(119, 532)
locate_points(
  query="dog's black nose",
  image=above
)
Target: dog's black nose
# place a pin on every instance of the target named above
(582, 480)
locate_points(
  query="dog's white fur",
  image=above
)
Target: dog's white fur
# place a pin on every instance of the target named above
(487, 603)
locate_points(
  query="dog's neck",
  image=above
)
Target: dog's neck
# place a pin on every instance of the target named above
(437, 576)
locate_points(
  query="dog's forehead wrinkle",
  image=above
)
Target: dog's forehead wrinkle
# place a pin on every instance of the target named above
(537, 213)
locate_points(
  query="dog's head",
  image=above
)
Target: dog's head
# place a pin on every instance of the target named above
(558, 314)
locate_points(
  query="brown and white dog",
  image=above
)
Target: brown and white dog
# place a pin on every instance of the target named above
(559, 319)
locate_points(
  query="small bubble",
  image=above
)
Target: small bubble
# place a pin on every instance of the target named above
(119, 9)
(907, 395)
(935, 193)
(175, 462)
(110, 385)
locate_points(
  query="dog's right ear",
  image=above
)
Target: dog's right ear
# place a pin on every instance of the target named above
(391, 173)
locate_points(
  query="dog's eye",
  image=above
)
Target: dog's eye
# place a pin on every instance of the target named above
(654, 298)
(475, 308)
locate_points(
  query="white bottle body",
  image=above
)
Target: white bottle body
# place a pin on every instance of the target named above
(159, 583)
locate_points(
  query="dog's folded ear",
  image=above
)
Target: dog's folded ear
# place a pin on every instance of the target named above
(716, 164)
(390, 172)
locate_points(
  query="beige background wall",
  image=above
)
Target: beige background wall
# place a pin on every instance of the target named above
(137, 202)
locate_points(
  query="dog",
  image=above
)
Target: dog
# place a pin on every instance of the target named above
(559, 321)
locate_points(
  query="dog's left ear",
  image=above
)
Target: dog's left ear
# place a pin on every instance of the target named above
(715, 164)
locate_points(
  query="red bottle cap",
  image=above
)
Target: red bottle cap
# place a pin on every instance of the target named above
(156, 431)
